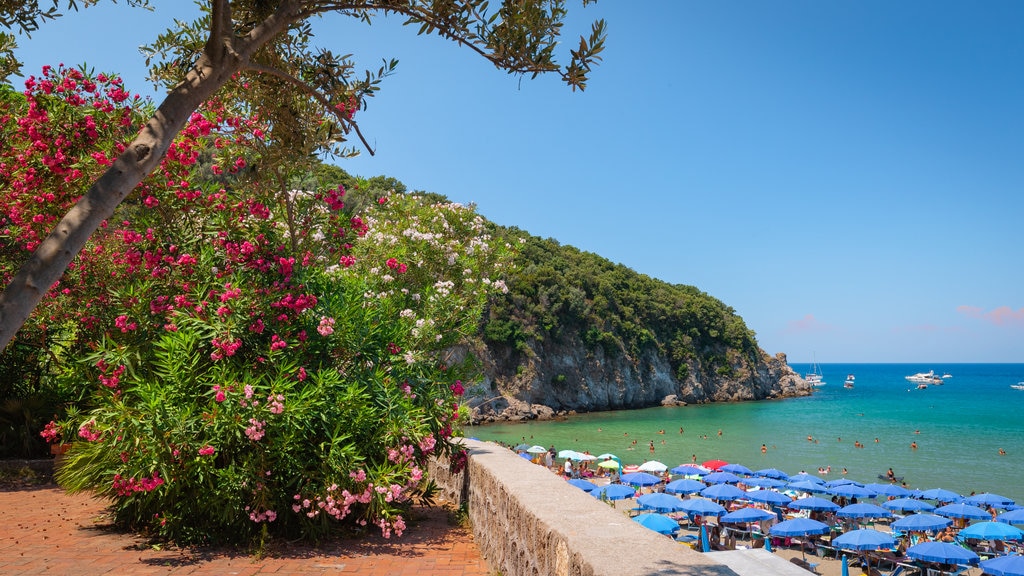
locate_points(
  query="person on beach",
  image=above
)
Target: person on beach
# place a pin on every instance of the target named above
(764, 449)
(567, 468)
(1002, 452)
(652, 446)
(913, 445)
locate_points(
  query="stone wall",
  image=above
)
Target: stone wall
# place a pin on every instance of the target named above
(529, 522)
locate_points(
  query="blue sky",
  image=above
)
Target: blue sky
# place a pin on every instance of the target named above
(846, 175)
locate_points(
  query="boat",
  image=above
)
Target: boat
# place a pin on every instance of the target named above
(1017, 386)
(928, 377)
(849, 381)
(814, 377)
(947, 375)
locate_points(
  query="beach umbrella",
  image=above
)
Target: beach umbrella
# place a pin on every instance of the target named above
(805, 476)
(921, 523)
(653, 466)
(907, 505)
(526, 456)
(807, 486)
(863, 510)
(1012, 517)
(851, 491)
(640, 479)
(536, 449)
(613, 492)
(747, 514)
(689, 470)
(705, 544)
(521, 447)
(570, 454)
(814, 503)
(714, 464)
(864, 539)
(722, 478)
(764, 482)
(702, 507)
(989, 499)
(889, 490)
(612, 464)
(606, 455)
(841, 482)
(771, 473)
(941, 495)
(684, 486)
(728, 492)
(943, 552)
(991, 531)
(768, 497)
(665, 502)
(736, 469)
(961, 510)
(798, 527)
(845, 569)
(582, 484)
(1009, 565)
(657, 522)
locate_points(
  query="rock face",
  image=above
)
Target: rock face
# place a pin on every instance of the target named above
(546, 381)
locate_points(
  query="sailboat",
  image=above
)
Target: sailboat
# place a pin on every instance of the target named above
(814, 377)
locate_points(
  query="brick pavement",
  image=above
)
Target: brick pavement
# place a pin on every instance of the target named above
(45, 531)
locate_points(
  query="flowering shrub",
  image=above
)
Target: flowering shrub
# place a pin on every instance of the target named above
(242, 374)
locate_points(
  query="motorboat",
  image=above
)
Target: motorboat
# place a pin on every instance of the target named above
(1017, 386)
(928, 377)
(850, 379)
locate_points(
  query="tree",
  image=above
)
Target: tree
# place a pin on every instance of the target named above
(255, 41)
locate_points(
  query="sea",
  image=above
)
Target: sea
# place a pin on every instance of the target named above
(958, 427)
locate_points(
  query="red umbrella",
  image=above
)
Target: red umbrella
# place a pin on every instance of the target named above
(714, 464)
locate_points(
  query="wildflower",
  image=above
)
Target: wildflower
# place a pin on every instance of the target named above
(206, 450)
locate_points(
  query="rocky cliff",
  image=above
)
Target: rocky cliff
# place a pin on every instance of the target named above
(548, 380)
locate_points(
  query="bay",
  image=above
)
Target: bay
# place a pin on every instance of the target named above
(959, 428)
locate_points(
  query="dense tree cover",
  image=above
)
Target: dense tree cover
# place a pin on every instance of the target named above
(559, 291)
(260, 56)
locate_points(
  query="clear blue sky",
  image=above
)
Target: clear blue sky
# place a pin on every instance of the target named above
(848, 176)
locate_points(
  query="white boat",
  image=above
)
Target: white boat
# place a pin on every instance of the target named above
(814, 377)
(1017, 386)
(850, 379)
(928, 377)
(944, 376)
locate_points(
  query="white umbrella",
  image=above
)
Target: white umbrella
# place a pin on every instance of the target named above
(536, 449)
(653, 466)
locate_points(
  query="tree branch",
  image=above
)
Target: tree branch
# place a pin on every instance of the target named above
(316, 94)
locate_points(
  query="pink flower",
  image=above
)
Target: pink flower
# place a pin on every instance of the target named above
(206, 451)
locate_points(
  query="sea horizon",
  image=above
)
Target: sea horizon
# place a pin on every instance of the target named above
(958, 427)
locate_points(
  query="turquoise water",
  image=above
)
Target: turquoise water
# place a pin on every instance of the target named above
(959, 428)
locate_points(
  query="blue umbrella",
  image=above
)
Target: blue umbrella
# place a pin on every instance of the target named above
(840, 482)
(864, 539)
(889, 490)
(526, 456)
(991, 531)
(921, 523)
(961, 510)
(689, 470)
(1009, 565)
(660, 502)
(737, 469)
(705, 544)
(944, 552)
(723, 492)
(798, 527)
(640, 479)
(764, 482)
(989, 499)
(768, 497)
(863, 510)
(807, 486)
(907, 505)
(702, 507)
(684, 486)
(941, 495)
(613, 492)
(722, 478)
(852, 491)
(805, 476)
(774, 473)
(814, 503)
(747, 514)
(657, 522)
(582, 484)
(1012, 517)
(845, 571)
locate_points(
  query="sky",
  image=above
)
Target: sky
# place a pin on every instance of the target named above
(847, 176)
